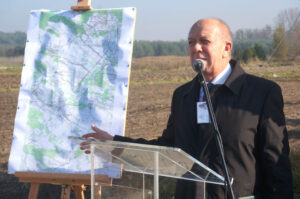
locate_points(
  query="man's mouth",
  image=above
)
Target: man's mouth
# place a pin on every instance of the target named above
(200, 57)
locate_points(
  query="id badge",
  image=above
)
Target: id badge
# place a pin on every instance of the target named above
(202, 113)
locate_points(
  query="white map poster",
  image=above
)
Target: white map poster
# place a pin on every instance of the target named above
(76, 73)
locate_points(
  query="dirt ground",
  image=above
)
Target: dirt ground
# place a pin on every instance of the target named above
(153, 81)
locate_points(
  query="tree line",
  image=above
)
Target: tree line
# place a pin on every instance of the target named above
(160, 48)
(12, 44)
(281, 42)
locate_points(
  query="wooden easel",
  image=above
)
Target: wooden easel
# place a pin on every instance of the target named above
(82, 5)
(76, 182)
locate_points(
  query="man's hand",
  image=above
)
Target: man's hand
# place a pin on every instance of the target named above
(98, 134)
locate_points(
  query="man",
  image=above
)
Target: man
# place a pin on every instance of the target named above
(249, 113)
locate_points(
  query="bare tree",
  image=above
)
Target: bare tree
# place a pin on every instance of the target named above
(279, 43)
(288, 20)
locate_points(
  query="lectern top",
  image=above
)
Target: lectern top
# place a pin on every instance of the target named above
(140, 158)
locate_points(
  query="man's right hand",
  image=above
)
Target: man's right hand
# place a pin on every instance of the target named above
(98, 134)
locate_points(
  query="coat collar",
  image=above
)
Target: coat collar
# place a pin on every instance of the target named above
(192, 86)
(236, 78)
(234, 81)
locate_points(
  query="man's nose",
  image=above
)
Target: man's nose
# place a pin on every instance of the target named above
(198, 47)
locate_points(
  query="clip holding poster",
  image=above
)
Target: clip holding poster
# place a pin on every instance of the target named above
(82, 5)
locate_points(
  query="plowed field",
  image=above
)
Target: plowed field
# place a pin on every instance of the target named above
(153, 80)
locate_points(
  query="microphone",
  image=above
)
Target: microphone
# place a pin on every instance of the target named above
(199, 65)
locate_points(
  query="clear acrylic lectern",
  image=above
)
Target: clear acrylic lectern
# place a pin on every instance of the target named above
(115, 157)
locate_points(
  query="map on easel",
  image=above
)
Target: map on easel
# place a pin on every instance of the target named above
(76, 73)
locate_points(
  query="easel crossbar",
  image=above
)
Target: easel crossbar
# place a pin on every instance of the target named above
(60, 178)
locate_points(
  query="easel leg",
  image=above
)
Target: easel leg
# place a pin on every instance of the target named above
(65, 192)
(98, 192)
(79, 191)
(34, 191)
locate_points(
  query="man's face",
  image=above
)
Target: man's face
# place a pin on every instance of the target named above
(206, 42)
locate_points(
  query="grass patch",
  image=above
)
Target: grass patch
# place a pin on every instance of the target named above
(272, 63)
(283, 63)
(161, 81)
(11, 70)
(160, 70)
(279, 74)
(9, 89)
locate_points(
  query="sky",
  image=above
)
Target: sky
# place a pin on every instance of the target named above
(168, 20)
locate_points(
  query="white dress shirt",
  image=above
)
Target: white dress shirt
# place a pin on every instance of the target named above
(220, 79)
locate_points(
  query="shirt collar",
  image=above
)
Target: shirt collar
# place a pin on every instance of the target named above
(223, 76)
(234, 82)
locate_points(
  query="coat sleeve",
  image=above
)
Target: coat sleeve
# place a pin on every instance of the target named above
(274, 148)
(166, 139)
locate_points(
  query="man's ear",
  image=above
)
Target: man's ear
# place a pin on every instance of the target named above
(227, 49)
